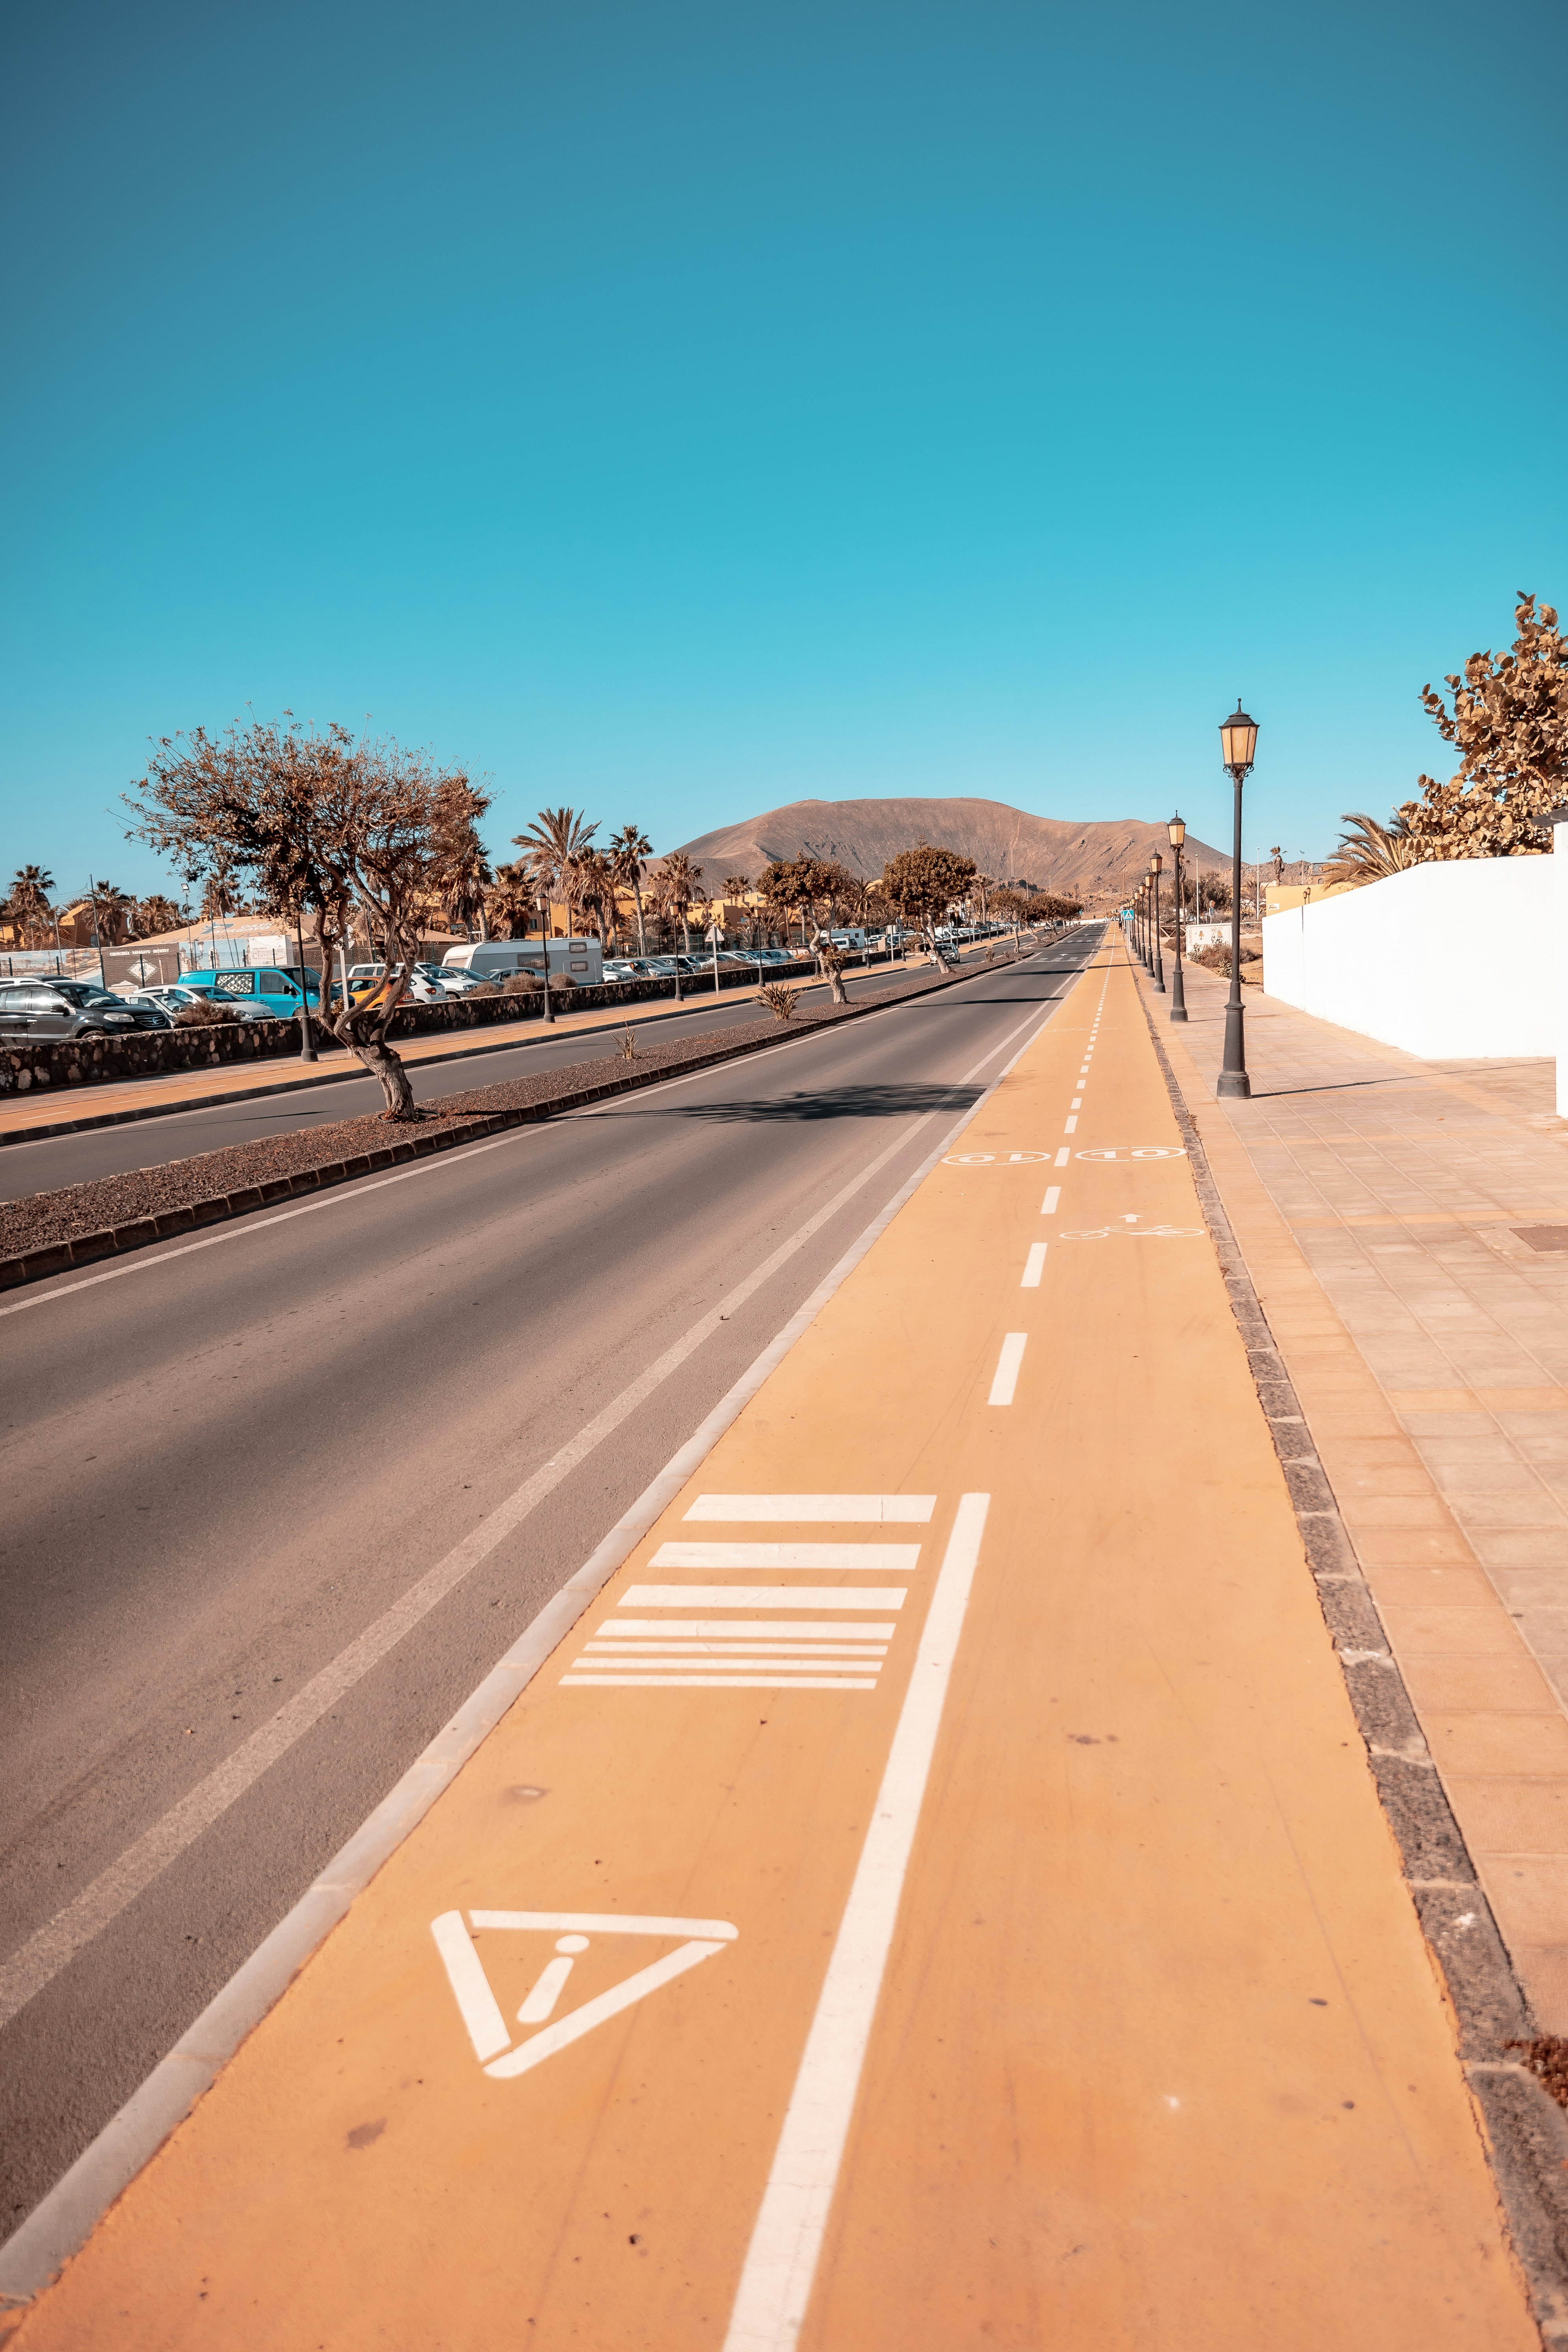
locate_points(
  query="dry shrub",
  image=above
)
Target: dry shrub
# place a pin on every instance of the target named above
(520, 983)
(780, 1001)
(204, 1015)
(562, 984)
(629, 1047)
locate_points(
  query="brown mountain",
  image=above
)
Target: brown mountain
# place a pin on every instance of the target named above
(1098, 863)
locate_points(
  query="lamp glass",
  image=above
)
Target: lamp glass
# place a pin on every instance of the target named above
(1177, 831)
(1154, 862)
(1239, 739)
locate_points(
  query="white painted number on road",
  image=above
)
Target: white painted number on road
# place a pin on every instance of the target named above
(573, 1932)
(1135, 1152)
(993, 1159)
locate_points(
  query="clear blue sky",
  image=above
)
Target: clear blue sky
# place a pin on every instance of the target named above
(678, 409)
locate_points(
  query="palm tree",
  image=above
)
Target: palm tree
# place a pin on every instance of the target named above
(595, 879)
(552, 847)
(112, 908)
(1370, 852)
(512, 896)
(678, 885)
(28, 901)
(628, 849)
(737, 887)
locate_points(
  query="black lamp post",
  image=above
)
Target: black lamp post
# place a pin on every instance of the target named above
(1178, 833)
(1238, 742)
(1143, 922)
(1138, 922)
(544, 950)
(1154, 900)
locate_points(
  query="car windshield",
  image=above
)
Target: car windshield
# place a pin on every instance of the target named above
(82, 992)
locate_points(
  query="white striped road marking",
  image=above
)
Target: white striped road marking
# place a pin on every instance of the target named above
(1034, 1266)
(873, 1560)
(651, 1649)
(1049, 1205)
(764, 1596)
(704, 1628)
(1070, 1126)
(781, 2261)
(885, 1510)
(1063, 1156)
(1076, 1102)
(1008, 1367)
(715, 1682)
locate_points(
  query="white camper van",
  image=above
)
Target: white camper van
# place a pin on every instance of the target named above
(579, 959)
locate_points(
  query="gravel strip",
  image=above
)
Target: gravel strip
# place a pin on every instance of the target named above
(44, 1221)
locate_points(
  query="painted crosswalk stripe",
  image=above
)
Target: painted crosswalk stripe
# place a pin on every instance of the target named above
(879, 1511)
(1008, 1367)
(717, 1629)
(718, 1682)
(709, 1597)
(888, 1559)
(1034, 1266)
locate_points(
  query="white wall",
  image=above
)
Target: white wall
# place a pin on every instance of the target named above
(1453, 961)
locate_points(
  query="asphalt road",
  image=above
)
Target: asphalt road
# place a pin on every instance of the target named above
(51, 1161)
(225, 1463)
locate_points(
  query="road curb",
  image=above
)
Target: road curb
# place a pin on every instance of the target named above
(1525, 2131)
(141, 1232)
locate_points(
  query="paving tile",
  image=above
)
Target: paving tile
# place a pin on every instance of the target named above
(1412, 1511)
(1542, 1970)
(1472, 1484)
(1415, 1548)
(1482, 1628)
(1526, 1815)
(1495, 1681)
(1382, 1454)
(1529, 1894)
(1428, 1400)
(1425, 1425)
(1432, 1588)
(1440, 1452)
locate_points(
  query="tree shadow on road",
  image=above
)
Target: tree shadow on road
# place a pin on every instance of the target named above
(826, 1102)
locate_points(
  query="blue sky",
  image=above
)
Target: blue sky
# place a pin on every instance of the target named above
(676, 410)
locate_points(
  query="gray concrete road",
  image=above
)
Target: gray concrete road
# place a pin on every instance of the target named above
(224, 1464)
(142, 1142)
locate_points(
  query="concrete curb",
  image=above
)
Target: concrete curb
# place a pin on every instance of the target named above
(116, 1241)
(1526, 2132)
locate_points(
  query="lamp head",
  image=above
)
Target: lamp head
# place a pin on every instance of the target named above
(1238, 741)
(1154, 862)
(1177, 832)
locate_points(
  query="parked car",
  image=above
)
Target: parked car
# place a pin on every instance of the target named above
(173, 998)
(43, 1010)
(267, 986)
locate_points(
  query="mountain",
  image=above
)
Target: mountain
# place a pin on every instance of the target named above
(1098, 863)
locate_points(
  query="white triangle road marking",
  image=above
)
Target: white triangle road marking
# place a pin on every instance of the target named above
(480, 2011)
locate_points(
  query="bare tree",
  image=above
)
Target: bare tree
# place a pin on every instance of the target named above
(321, 821)
(1509, 726)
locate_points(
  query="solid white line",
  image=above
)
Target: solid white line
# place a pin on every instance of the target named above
(700, 1628)
(1008, 1366)
(1049, 1205)
(781, 2261)
(61, 2220)
(1034, 1266)
(885, 1510)
(713, 1682)
(763, 1596)
(863, 1559)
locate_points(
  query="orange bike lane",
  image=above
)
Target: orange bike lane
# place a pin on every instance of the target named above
(937, 1896)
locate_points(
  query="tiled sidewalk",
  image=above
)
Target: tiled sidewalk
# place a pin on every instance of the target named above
(1376, 1199)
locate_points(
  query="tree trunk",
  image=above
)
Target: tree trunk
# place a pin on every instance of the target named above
(836, 982)
(387, 1071)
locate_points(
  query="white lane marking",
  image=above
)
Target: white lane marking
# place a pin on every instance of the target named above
(1034, 1266)
(645, 1648)
(885, 1510)
(701, 1629)
(1076, 1103)
(714, 1682)
(1063, 1156)
(764, 1596)
(1007, 1368)
(1049, 1205)
(867, 1560)
(605, 1923)
(1069, 1127)
(781, 2261)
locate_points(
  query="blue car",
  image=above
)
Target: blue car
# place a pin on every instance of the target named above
(262, 989)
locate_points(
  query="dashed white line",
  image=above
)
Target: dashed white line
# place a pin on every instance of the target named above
(1008, 1364)
(1034, 1267)
(1049, 1205)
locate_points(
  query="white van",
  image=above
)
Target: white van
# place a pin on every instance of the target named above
(579, 959)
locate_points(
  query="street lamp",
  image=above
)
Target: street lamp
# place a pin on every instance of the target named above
(1178, 833)
(1155, 890)
(1238, 742)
